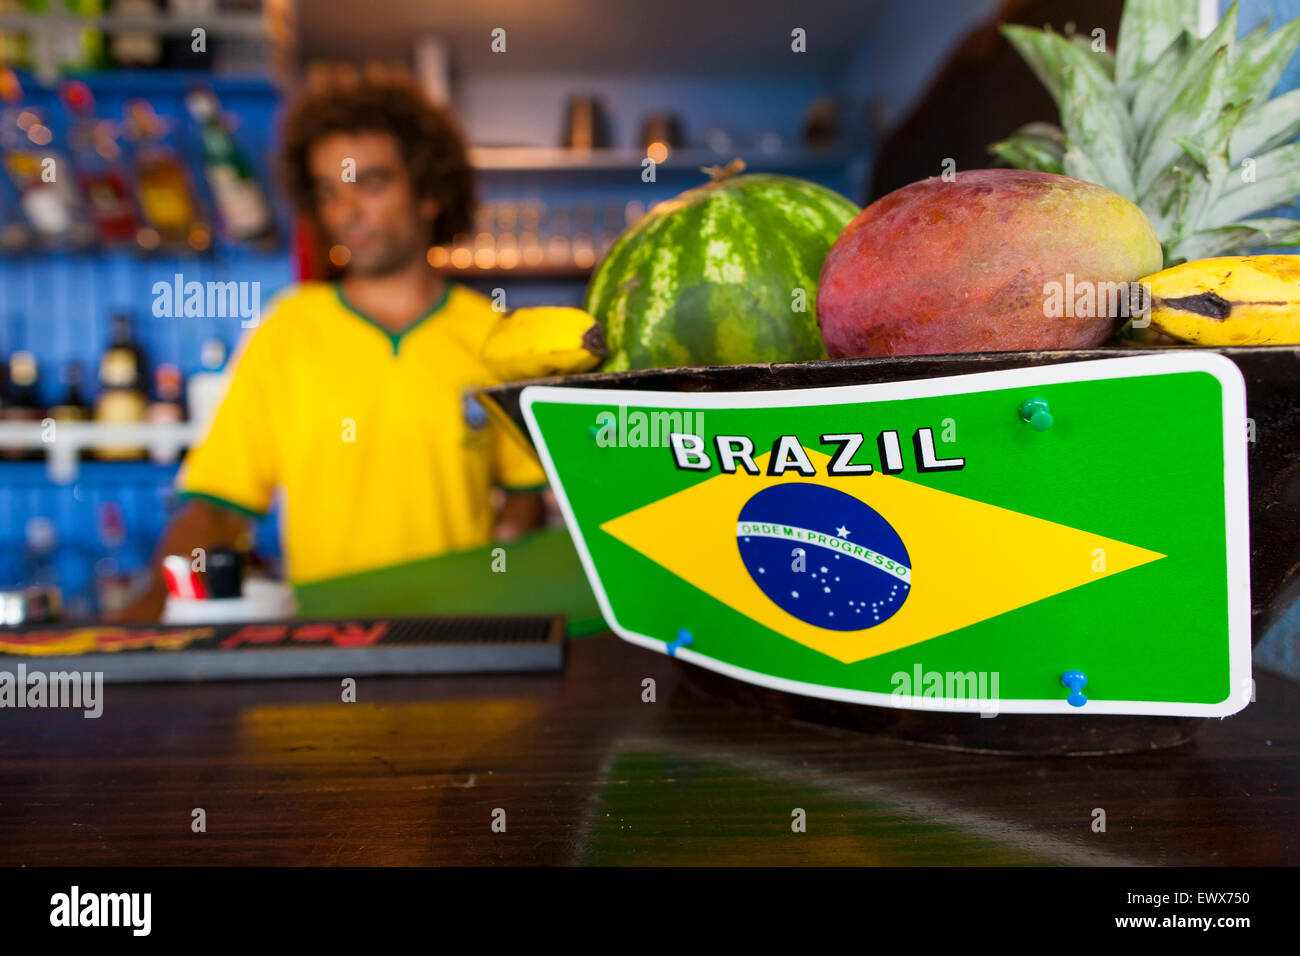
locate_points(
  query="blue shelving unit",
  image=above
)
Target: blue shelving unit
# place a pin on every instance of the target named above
(58, 304)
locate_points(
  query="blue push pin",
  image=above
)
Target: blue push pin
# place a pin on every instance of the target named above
(1076, 681)
(684, 639)
(1037, 413)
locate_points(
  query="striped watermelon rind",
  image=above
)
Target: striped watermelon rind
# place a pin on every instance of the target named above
(709, 278)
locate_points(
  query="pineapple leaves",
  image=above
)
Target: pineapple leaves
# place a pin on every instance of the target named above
(1103, 58)
(1150, 91)
(1166, 201)
(1256, 197)
(1038, 146)
(1146, 29)
(1211, 156)
(1183, 125)
(1186, 115)
(1269, 126)
(1235, 238)
(1274, 163)
(1097, 135)
(1191, 75)
(1256, 68)
(1049, 55)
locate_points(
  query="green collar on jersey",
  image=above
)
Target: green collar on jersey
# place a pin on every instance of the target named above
(395, 338)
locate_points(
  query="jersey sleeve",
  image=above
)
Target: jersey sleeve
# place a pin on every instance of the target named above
(515, 468)
(234, 464)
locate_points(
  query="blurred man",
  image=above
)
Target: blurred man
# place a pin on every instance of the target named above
(351, 395)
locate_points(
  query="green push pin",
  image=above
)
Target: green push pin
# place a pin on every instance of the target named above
(1037, 413)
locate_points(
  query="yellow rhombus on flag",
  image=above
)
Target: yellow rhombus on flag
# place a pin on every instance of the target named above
(971, 561)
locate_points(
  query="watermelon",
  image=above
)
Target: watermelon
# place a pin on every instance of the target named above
(710, 277)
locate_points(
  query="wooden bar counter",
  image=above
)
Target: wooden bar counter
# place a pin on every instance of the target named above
(586, 771)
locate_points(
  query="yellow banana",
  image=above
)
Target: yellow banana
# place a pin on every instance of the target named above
(1232, 300)
(1148, 336)
(542, 341)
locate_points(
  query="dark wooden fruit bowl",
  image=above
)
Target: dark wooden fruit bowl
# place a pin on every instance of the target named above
(1272, 375)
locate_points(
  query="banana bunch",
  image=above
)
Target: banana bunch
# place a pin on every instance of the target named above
(1232, 300)
(543, 341)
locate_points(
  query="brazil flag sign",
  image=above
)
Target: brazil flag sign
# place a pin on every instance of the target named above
(1060, 539)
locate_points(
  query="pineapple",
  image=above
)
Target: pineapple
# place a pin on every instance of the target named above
(1183, 126)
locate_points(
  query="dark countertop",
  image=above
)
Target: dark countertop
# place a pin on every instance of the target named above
(587, 772)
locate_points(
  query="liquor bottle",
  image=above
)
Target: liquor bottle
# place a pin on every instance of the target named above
(74, 407)
(74, 566)
(41, 174)
(135, 48)
(242, 206)
(163, 186)
(178, 50)
(77, 42)
(21, 397)
(204, 391)
(22, 392)
(121, 387)
(14, 232)
(111, 574)
(15, 236)
(165, 409)
(15, 47)
(40, 539)
(100, 169)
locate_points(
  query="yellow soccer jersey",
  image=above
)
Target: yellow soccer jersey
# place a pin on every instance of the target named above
(382, 455)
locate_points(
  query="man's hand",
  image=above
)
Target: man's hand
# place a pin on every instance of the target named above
(196, 525)
(519, 514)
(147, 607)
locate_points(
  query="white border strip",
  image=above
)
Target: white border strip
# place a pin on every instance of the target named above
(1236, 514)
(1207, 17)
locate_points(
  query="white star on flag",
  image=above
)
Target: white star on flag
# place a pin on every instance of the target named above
(842, 531)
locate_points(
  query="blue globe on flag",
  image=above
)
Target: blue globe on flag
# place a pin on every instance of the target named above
(824, 556)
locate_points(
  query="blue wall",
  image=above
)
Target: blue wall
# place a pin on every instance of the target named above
(1252, 14)
(1280, 648)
